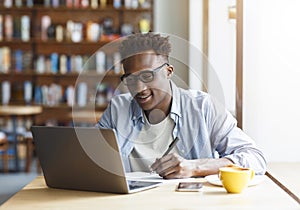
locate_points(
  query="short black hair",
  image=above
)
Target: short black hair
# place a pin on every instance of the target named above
(141, 42)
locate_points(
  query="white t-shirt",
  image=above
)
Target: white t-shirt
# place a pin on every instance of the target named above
(151, 143)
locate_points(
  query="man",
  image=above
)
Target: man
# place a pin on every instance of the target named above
(156, 111)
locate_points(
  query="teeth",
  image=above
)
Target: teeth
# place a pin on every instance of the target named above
(143, 97)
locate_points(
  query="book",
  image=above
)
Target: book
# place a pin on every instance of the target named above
(127, 4)
(73, 63)
(8, 27)
(18, 3)
(6, 92)
(78, 63)
(69, 64)
(77, 31)
(70, 95)
(6, 59)
(44, 93)
(47, 3)
(117, 4)
(103, 3)
(117, 62)
(1, 27)
(46, 22)
(1, 59)
(94, 4)
(93, 31)
(76, 3)
(84, 3)
(134, 4)
(40, 65)
(100, 62)
(82, 94)
(17, 27)
(25, 28)
(63, 64)
(27, 92)
(8, 3)
(29, 3)
(54, 62)
(69, 3)
(55, 3)
(18, 60)
(27, 61)
(144, 25)
(59, 33)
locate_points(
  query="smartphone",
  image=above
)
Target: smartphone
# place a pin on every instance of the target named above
(189, 186)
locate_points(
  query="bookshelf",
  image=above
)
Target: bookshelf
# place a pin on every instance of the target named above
(48, 48)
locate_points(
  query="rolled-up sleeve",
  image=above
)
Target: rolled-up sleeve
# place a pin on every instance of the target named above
(231, 142)
(242, 150)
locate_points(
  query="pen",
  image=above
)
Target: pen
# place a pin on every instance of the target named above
(171, 146)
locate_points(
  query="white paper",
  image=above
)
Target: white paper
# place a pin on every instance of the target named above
(153, 177)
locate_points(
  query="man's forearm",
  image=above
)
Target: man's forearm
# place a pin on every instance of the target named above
(204, 167)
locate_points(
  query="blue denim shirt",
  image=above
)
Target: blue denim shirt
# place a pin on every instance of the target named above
(205, 129)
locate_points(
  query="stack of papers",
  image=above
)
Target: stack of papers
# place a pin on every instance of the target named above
(153, 177)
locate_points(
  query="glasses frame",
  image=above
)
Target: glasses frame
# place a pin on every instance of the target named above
(138, 76)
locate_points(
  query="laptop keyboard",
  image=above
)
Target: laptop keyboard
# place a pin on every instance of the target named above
(139, 184)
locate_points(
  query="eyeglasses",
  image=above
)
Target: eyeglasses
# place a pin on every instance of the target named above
(145, 76)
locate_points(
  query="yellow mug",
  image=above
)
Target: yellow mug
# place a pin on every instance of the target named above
(234, 178)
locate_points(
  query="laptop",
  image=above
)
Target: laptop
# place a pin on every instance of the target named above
(81, 158)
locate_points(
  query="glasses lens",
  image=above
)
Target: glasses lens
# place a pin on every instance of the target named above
(146, 76)
(129, 80)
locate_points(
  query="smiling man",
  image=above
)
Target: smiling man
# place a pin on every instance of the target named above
(156, 111)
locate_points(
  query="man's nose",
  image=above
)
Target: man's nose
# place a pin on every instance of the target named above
(139, 86)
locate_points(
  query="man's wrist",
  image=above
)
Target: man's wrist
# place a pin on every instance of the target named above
(204, 167)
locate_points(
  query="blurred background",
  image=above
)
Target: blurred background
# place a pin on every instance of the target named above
(242, 52)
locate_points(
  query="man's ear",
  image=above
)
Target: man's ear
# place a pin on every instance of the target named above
(170, 70)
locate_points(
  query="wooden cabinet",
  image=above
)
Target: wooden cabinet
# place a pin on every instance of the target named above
(52, 46)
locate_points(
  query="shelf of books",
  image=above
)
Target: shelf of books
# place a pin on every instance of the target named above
(56, 53)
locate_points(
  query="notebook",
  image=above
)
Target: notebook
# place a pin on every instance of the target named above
(81, 158)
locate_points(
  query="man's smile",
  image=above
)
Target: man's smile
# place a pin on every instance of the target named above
(144, 98)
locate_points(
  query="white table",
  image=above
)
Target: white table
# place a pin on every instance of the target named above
(266, 195)
(288, 174)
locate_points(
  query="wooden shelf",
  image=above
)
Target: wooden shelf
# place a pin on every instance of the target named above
(108, 8)
(29, 73)
(36, 48)
(69, 78)
(65, 114)
(16, 77)
(82, 48)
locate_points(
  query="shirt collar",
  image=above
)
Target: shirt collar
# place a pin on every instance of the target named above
(176, 100)
(137, 112)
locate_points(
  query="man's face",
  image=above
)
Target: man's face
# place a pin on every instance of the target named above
(155, 94)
